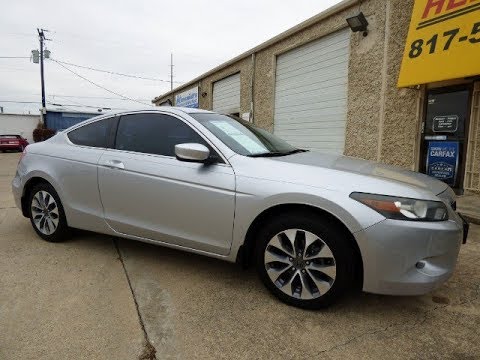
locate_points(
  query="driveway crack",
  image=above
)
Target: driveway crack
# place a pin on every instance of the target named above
(149, 351)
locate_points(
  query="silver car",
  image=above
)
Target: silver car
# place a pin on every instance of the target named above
(314, 225)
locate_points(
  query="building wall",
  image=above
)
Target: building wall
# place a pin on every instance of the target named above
(56, 120)
(17, 124)
(383, 121)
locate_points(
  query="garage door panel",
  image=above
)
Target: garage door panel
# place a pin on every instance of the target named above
(310, 116)
(333, 134)
(311, 94)
(328, 42)
(322, 123)
(314, 77)
(226, 95)
(334, 67)
(313, 58)
(307, 85)
(318, 106)
(312, 91)
(306, 100)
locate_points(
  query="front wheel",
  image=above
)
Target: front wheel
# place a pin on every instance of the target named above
(46, 213)
(304, 260)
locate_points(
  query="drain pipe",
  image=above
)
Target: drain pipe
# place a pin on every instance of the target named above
(252, 82)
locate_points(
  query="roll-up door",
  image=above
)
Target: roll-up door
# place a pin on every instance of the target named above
(311, 94)
(226, 95)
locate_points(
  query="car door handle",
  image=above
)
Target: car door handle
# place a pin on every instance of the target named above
(114, 164)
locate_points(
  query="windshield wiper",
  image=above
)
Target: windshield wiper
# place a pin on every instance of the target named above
(277, 153)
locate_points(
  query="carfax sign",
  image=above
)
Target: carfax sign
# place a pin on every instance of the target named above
(443, 42)
(442, 160)
(188, 98)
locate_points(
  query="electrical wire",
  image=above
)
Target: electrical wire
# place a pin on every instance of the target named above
(14, 57)
(87, 106)
(114, 72)
(97, 85)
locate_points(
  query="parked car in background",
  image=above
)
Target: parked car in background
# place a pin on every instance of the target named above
(314, 225)
(12, 142)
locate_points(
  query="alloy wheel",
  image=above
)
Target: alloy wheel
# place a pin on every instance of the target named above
(45, 212)
(300, 264)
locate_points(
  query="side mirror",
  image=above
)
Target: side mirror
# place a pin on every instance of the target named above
(192, 152)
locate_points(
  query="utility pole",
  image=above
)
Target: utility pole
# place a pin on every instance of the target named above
(171, 71)
(41, 38)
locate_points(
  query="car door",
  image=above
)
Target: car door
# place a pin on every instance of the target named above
(146, 192)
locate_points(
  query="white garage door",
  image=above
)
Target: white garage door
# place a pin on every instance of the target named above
(311, 94)
(226, 95)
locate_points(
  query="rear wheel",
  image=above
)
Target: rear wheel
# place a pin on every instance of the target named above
(46, 213)
(304, 260)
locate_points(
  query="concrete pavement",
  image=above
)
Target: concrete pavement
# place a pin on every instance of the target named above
(73, 300)
(61, 301)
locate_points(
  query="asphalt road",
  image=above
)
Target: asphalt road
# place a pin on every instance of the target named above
(74, 301)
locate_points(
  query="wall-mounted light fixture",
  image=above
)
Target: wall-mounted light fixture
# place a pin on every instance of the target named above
(358, 23)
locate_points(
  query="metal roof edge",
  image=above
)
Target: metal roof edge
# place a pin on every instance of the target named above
(343, 5)
(4, 113)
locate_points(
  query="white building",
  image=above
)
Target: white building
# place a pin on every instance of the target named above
(19, 124)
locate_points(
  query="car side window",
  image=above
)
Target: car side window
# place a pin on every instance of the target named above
(95, 134)
(154, 134)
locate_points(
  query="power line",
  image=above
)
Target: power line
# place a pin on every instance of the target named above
(114, 72)
(87, 106)
(99, 86)
(14, 57)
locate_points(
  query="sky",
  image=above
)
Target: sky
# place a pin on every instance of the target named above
(130, 37)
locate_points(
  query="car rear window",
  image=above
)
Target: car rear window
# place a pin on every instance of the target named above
(95, 134)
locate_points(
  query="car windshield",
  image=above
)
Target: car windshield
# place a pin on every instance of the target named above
(244, 138)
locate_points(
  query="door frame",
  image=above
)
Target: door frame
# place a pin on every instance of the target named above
(462, 161)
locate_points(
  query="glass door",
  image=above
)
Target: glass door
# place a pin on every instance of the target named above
(445, 135)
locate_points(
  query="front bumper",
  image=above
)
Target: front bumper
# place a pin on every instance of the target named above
(409, 258)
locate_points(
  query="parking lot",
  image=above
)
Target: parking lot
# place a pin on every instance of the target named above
(98, 297)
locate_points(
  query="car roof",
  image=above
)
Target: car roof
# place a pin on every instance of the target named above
(9, 135)
(170, 109)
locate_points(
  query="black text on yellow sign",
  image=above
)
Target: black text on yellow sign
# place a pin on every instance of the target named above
(443, 42)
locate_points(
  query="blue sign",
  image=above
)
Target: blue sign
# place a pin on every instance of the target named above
(442, 160)
(188, 98)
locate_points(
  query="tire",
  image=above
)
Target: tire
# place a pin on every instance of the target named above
(311, 278)
(48, 222)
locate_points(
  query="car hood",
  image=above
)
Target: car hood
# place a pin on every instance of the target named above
(365, 167)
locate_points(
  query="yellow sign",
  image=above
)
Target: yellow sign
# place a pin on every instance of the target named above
(443, 42)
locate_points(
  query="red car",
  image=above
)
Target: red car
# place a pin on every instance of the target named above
(12, 142)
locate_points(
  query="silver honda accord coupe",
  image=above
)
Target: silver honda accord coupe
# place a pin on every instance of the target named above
(314, 225)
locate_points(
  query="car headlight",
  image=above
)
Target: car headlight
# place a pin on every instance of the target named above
(399, 208)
